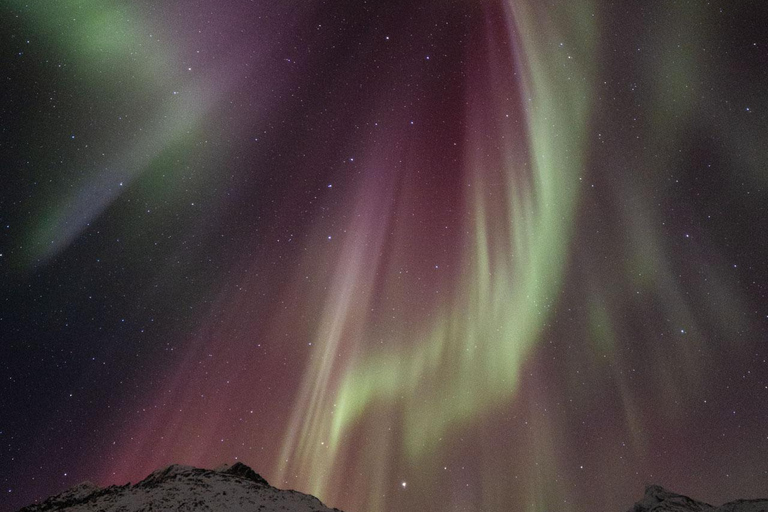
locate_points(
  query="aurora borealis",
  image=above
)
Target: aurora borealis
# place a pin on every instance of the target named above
(448, 255)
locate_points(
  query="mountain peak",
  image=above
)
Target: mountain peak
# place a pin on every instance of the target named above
(178, 487)
(654, 490)
(243, 471)
(659, 499)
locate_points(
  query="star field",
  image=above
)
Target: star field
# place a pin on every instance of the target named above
(466, 256)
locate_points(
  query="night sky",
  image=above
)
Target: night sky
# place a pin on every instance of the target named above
(470, 255)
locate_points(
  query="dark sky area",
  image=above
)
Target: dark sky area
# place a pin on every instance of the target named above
(483, 255)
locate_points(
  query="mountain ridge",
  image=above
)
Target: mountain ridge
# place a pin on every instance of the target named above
(240, 488)
(177, 487)
(659, 499)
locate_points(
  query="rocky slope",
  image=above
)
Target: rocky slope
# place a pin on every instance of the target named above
(239, 488)
(228, 488)
(658, 499)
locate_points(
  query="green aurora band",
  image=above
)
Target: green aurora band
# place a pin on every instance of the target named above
(466, 363)
(380, 400)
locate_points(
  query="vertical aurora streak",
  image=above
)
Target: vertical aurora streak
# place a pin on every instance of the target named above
(479, 256)
(466, 362)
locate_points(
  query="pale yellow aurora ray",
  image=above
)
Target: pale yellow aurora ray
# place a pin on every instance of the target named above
(467, 361)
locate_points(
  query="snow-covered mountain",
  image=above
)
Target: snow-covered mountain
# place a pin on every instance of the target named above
(238, 488)
(227, 488)
(658, 499)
